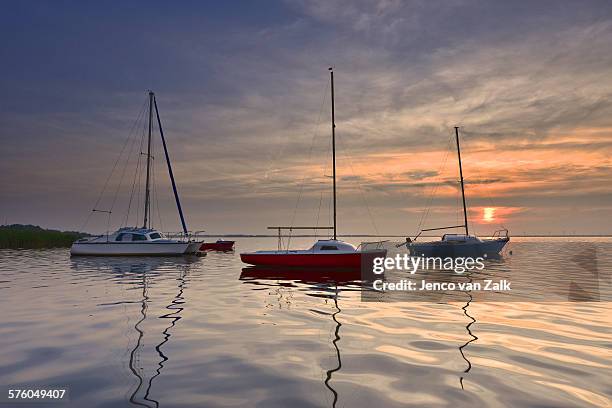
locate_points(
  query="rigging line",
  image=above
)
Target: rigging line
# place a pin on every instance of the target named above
(152, 204)
(434, 188)
(151, 210)
(129, 154)
(281, 150)
(155, 189)
(312, 142)
(115, 165)
(330, 201)
(329, 210)
(457, 209)
(488, 196)
(362, 193)
(108, 221)
(118, 158)
(318, 214)
(140, 186)
(134, 182)
(156, 196)
(331, 198)
(325, 166)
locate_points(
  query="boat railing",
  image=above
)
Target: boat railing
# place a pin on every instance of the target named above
(378, 245)
(290, 229)
(498, 233)
(89, 238)
(436, 229)
(190, 236)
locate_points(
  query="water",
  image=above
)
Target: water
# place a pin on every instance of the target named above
(190, 333)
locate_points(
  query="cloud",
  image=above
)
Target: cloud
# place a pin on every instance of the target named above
(245, 106)
(421, 174)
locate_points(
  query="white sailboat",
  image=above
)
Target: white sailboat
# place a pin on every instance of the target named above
(142, 241)
(457, 245)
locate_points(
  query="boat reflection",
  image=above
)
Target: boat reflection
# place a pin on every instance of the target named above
(468, 330)
(140, 272)
(340, 276)
(335, 341)
(327, 281)
(122, 265)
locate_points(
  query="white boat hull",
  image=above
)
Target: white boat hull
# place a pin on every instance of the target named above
(134, 248)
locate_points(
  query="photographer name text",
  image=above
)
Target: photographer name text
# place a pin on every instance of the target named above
(423, 285)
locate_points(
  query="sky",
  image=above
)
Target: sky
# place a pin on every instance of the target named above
(243, 94)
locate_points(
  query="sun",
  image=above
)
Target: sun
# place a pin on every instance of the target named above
(488, 214)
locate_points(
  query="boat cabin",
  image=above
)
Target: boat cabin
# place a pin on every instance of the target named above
(332, 246)
(459, 238)
(128, 234)
(132, 235)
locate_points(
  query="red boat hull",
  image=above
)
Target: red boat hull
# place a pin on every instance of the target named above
(305, 275)
(314, 260)
(217, 246)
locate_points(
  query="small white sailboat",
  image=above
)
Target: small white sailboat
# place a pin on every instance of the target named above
(142, 241)
(458, 245)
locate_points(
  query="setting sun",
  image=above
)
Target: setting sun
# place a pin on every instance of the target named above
(488, 214)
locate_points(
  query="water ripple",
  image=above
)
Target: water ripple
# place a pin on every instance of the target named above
(198, 332)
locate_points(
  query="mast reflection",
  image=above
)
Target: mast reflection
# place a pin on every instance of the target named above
(173, 316)
(469, 331)
(141, 272)
(327, 281)
(335, 344)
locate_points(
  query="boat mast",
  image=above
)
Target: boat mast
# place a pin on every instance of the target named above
(176, 196)
(333, 124)
(148, 181)
(461, 175)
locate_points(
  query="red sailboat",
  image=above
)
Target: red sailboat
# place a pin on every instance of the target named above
(328, 253)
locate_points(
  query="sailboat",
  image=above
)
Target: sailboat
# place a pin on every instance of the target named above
(145, 240)
(327, 253)
(456, 245)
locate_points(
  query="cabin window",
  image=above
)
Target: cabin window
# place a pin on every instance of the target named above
(123, 237)
(138, 237)
(154, 235)
(329, 248)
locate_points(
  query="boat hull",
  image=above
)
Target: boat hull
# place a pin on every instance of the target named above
(488, 247)
(312, 260)
(134, 249)
(220, 245)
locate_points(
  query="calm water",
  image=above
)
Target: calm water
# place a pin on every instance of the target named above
(190, 332)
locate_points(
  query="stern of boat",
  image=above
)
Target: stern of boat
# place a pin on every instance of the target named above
(193, 247)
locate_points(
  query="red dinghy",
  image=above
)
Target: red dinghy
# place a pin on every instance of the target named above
(219, 245)
(331, 253)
